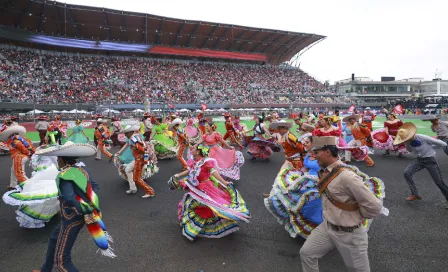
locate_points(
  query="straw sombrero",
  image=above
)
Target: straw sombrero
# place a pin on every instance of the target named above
(430, 118)
(307, 127)
(69, 149)
(320, 142)
(6, 131)
(281, 123)
(405, 133)
(175, 122)
(129, 128)
(42, 117)
(353, 116)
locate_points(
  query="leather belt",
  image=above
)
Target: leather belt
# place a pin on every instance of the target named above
(343, 229)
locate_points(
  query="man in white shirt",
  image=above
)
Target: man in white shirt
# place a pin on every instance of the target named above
(422, 146)
(439, 127)
(41, 127)
(147, 126)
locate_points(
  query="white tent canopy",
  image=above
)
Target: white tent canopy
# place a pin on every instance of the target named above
(183, 110)
(138, 110)
(157, 110)
(77, 111)
(221, 109)
(35, 111)
(208, 110)
(111, 111)
(55, 111)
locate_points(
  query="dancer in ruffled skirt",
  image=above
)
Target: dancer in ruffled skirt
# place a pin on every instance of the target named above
(212, 206)
(383, 138)
(260, 145)
(78, 135)
(164, 144)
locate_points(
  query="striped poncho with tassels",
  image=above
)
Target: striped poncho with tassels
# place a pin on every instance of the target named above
(90, 208)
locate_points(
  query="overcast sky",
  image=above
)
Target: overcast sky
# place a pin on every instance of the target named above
(370, 38)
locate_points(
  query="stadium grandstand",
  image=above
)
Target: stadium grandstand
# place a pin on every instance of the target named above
(54, 54)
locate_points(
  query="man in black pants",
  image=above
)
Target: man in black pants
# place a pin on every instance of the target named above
(422, 145)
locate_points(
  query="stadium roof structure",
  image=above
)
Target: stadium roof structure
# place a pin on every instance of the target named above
(167, 36)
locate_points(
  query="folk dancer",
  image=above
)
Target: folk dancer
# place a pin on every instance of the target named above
(211, 206)
(439, 127)
(125, 161)
(202, 123)
(102, 136)
(21, 150)
(292, 147)
(145, 159)
(14, 120)
(78, 135)
(56, 131)
(346, 201)
(361, 134)
(368, 117)
(79, 206)
(337, 120)
(116, 128)
(146, 126)
(421, 145)
(383, 138)
(230, 130)
(182, 139)
(42, 127)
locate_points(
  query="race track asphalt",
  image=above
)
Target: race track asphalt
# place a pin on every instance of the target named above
(148, 237)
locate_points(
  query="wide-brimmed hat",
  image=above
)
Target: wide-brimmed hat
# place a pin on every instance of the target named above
(175, 122)
(431, 118)
(6, 131)
(368, 108)
(320, 142)
(69, 149)
(129, 128)
(307, 127)
(281, 123)
(405, 133)
(100, 120)
(146, 114)
(115, 118)
(227, 114)
(353, 116)
(13, 118)
(42, 117)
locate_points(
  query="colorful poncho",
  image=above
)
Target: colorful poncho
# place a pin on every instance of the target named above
(90, 209)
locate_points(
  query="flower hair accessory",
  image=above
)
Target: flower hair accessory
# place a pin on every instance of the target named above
(204, 149)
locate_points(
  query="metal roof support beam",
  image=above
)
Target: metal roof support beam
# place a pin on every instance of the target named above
(6, 5)
(159, 32)
(247, 40)
(59, 21)
(273, 42)
(209, 36)
(107, 28)
(221, 38)
(178, 33)
(263, 41)
(146, 28)
(232, 44)
(123, 28)
(25, 12)
(42, 21)
(73, 22)
(287, 48)
(192, 34)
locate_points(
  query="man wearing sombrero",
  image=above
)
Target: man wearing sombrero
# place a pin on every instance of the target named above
(144, 160)
(361, 134)
(439, 127)
(41, 127)
(421, 145)
(102, 136)
(181, 137)
(346, 202)
(292, 147)
(21, 149)
(79, 206)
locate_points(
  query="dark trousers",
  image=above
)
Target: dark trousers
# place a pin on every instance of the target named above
(115, 140)
(62, 240)
(432, 166)
(147, 135)
(42, 134)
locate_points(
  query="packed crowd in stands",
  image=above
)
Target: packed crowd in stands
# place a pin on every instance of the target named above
(49, 79)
